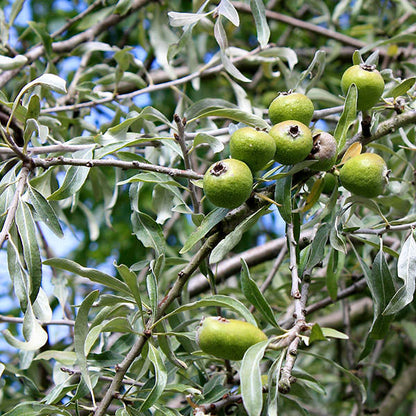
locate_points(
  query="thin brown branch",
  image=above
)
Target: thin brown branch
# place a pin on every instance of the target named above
(401, 388)
(63, 161)
(300, 296)
(181, 139)
(310, 27)
(383, 129)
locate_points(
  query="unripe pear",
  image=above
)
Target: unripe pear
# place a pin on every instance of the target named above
(228, 183)
(293, 141)
(227, 338)
(291, 106)
(253, 147)
(369, 82)
(364, 175)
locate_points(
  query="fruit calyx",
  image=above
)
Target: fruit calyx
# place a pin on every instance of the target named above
(294, 131)
(367, 67)
(218, 169)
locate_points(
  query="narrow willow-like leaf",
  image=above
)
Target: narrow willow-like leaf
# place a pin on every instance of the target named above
(333, 272)
(273, 383)
(177, 19)
(259, 14)
(314, 194)
(391, 40)
(333, 333)
(253, 295)
(283, 196)
(214, 143)
(17, 272)
(315, 70)
(166, 346)
(316, 334)
(74, 179)
(354, 379)
(237, 115)
(209, 221)
(92, 274)
(80, 336)
(223, 301)
(402, 88)
(250, 376)
(348, 116)
(383, 284)
(317, 250)
(130, 278)
(233, 238)
(148, 232)
(45, 212)
(151, 284)
(406, 270)
(27, 232)
(36, 409)
(161, 378)
(226, 9)
(7, 63)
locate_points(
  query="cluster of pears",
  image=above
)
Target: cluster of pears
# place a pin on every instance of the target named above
(228, 183)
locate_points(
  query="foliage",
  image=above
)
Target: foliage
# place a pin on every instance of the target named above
(110, 114)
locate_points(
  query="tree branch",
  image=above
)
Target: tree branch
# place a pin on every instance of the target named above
(383, 129)
(348, 40)
(63, 161)
(401, 388)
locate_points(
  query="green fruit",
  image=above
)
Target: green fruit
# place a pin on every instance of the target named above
(227, 338)
(364, 175)
(369, 82)
(324, 151)
(228, 183)
(253, 147)
(330, 182)
(291, 106)
(293, 141)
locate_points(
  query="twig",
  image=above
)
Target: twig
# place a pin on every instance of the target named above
(348, 40)
(8, 222)
(380, 231)
(181, 139)
(300, 298)
(15, 320)
(356, 287)
(61, 161)
(295, 293)
(383, 129)
(126, 381)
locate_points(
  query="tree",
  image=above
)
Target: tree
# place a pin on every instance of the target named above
(111, 113)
